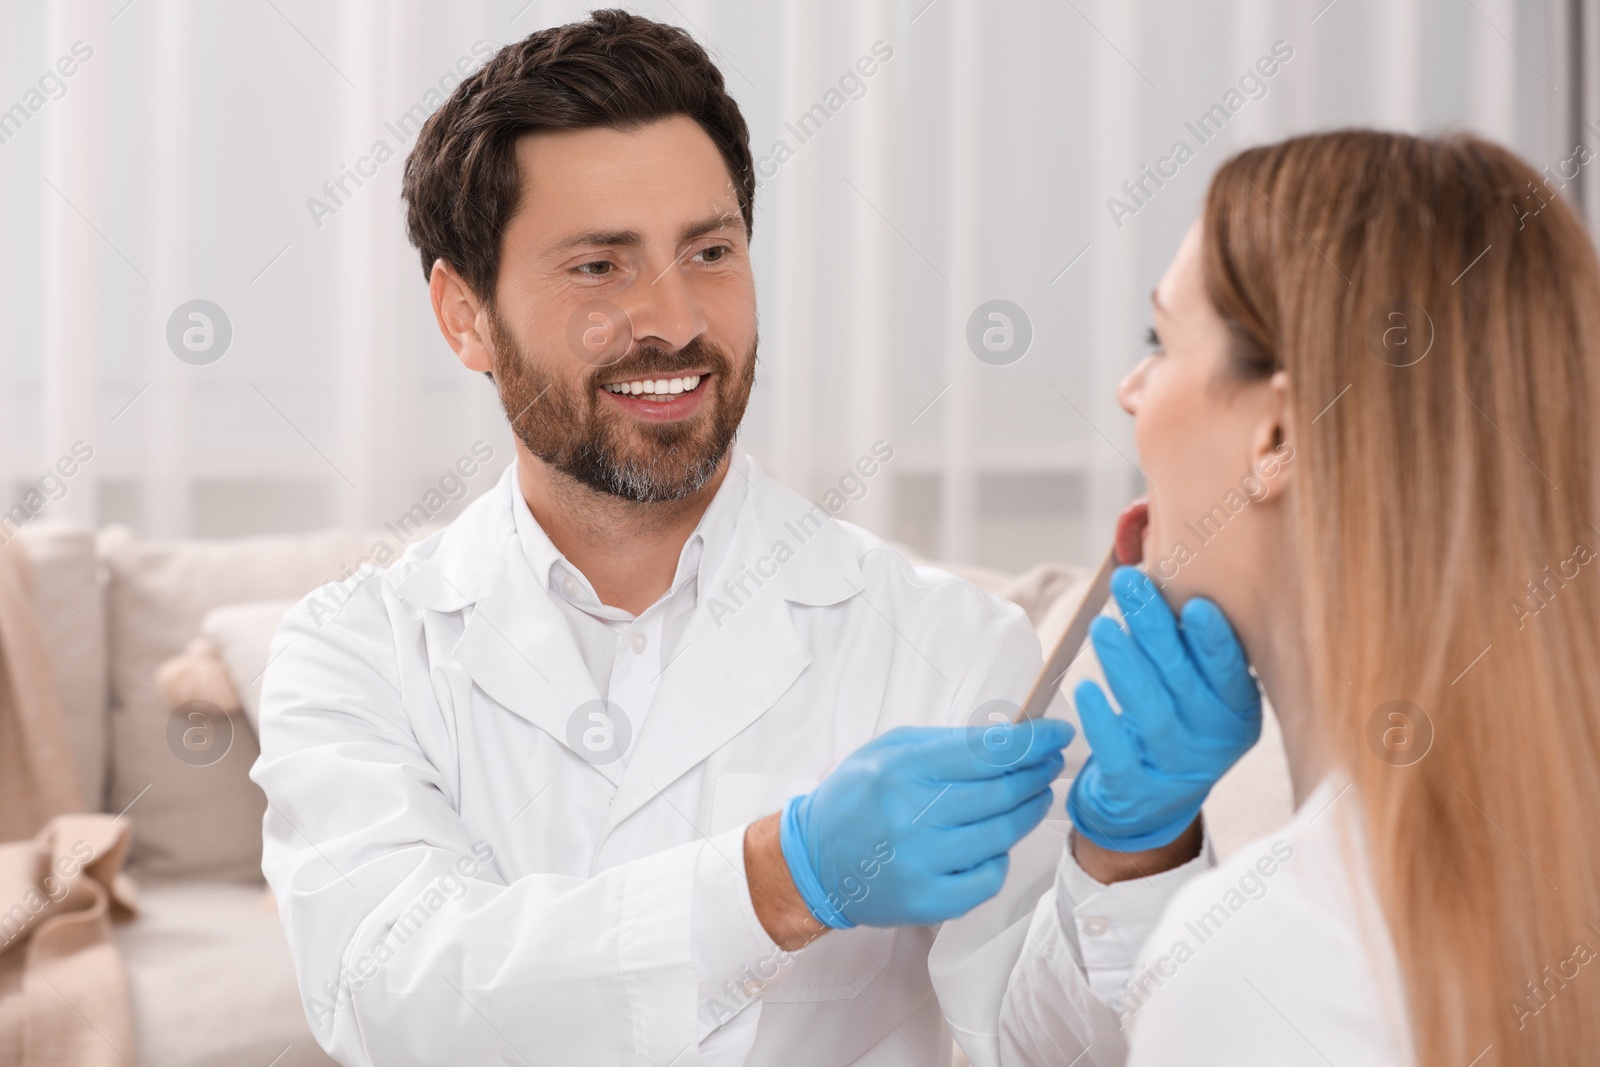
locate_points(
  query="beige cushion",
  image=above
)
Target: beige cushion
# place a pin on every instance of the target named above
(194, 820)
(211, 980)
(71, 605)
(1035, 590)
(242, 634)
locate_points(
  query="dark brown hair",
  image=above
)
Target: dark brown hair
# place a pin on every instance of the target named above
(613, 70)
(1445, 495)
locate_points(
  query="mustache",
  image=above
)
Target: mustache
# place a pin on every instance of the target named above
(655, 361)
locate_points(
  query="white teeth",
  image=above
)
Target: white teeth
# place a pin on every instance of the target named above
(656, 386)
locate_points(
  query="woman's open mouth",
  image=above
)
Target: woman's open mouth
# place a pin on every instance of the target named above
(659, 398)
(1131, 526)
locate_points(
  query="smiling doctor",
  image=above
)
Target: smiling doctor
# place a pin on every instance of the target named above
(644, 759)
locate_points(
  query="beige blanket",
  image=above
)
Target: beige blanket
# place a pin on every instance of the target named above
(63, 990)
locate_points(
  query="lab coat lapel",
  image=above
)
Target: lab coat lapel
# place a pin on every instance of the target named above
(721, 678)
(738, 656)
(520, 651)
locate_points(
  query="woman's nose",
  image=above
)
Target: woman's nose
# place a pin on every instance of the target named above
(1129, 388)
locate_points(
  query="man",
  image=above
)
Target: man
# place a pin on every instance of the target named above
(608, 771)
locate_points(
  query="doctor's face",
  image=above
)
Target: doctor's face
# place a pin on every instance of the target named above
(624, 320)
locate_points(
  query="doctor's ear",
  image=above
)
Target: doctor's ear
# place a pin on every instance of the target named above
(461, 317)
(1272, 443)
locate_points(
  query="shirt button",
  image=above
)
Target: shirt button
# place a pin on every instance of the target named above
(1095, 925)
(569, 586)
(639, 641)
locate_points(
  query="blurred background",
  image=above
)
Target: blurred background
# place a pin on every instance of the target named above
(205, 284)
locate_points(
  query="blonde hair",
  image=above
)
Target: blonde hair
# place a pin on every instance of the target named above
(1445, 493)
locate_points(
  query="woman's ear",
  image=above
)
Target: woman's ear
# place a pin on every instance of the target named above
(1272, 445)
(456, 309)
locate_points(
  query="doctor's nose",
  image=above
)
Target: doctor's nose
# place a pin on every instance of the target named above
(665, 311)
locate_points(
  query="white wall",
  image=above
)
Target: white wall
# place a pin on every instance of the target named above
(976, 166)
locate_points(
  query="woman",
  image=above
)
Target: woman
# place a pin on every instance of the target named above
(1405, 331)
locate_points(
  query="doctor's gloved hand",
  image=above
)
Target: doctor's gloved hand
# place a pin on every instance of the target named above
(1190, 709)
(914, 827)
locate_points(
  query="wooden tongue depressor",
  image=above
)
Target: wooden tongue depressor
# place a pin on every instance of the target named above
(1066, 650)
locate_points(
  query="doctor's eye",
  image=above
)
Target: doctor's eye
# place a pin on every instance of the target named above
(605, 268)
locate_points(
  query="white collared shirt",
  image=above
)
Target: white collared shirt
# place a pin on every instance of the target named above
(626, 655)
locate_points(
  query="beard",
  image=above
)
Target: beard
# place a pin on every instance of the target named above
(571, 427)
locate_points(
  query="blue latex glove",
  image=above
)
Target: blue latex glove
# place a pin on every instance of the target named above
(914, 827)
(1190, 709)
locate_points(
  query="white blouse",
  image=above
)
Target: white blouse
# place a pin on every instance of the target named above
(1279, 955)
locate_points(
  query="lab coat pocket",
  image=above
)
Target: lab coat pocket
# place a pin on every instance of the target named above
(839, 965)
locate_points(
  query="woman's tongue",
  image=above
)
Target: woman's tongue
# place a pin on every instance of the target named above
(1130, 532)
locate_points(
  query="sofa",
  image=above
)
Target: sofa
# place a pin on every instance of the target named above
(208, 967)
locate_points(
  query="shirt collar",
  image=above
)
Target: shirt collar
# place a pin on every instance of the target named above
(697, 562)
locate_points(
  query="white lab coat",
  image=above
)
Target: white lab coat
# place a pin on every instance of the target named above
(458, 886)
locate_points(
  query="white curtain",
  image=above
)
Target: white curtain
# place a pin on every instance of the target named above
(937, 156)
